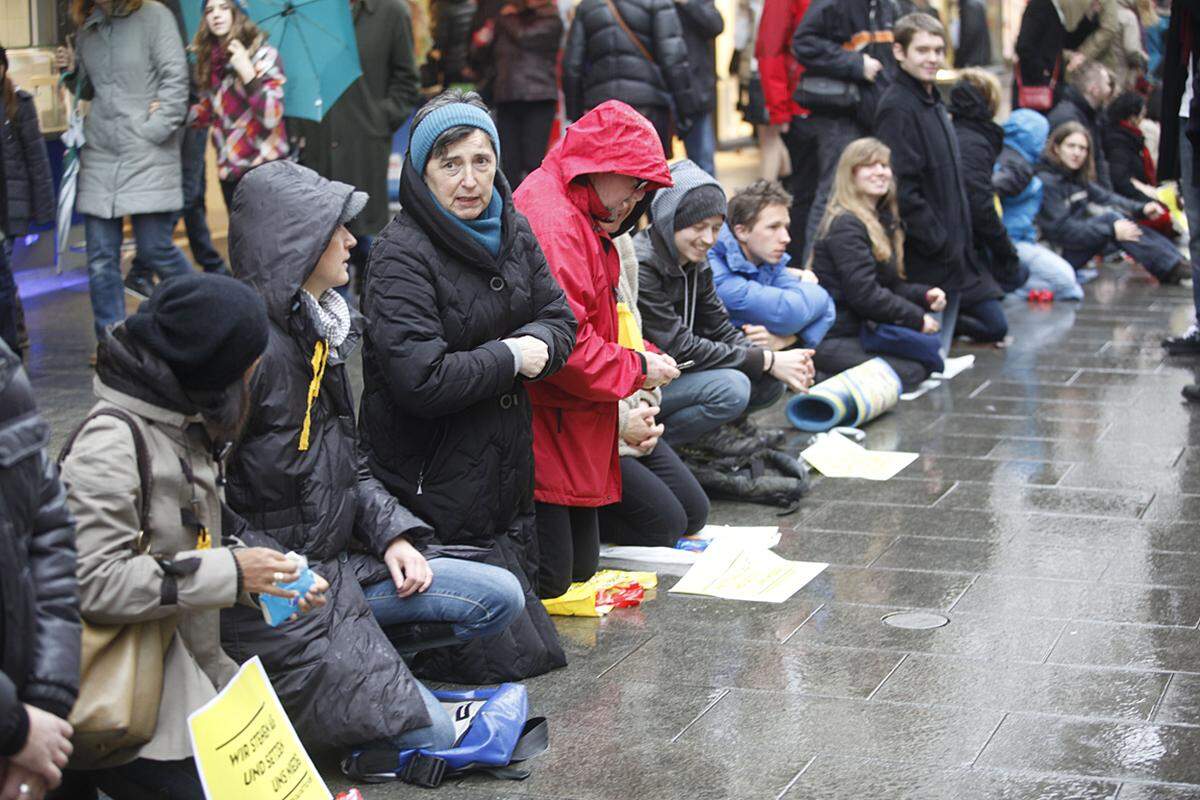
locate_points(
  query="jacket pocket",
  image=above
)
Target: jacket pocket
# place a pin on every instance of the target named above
(429, 463)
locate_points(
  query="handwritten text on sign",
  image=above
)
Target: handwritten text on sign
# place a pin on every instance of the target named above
(246, 747)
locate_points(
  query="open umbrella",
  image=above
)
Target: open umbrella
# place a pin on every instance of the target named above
(315, 40)
(72, 140)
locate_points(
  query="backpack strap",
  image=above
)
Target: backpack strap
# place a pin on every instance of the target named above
(612, 7)
(145, 476)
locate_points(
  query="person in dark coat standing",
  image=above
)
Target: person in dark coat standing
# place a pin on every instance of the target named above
(972, 40)
(300, 482)
(702, 24)
(851, 41)
(913, 122)
(648, 67)
(353, 143)
(1083, 100)
(1048, 27)
(462, 311)
(525, 43)
(994, 267)
(39, 597)
(449, 61)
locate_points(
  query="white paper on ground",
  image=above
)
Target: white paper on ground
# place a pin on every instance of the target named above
(732, 571)
(838, 457)
(955, 365)
(762, 536)
(923, 387)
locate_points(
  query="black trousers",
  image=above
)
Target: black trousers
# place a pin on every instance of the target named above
(840, 354)
(660, 501)
(138, 780)
(524, 130)
(568, 545)
(983, 322)
(802, 147)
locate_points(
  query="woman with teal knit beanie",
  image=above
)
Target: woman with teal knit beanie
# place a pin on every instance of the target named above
(461, 312)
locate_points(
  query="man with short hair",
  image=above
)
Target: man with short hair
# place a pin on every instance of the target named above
(1089, 87)
(777, 306)
(913, 122)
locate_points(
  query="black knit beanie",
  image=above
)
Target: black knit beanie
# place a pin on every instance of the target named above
(700, 203)
(208, 328)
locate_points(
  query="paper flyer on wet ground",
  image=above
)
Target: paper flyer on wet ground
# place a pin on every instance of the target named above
(732, 571)
(835, 456)
(764, 536)
(953, 368)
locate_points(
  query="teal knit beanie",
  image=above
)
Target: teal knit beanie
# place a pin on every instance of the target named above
(443, 119)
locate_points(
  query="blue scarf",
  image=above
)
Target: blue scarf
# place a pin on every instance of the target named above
(485, 228)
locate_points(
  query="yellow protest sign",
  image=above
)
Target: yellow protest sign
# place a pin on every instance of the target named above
(246, 747)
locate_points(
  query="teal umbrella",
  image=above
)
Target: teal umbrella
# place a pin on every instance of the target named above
(315, 40)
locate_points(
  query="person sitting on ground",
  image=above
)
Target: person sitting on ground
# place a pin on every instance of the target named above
(729, 374)
(859, 257)
(463, 314)
(1083, 218)
(777, 306)
(594, 177)
(299, 480)
(1089, 87)
(661, 499)
(39, 618)
(1020, 191)
(1130, 164)
(177, 372)
(993, 266)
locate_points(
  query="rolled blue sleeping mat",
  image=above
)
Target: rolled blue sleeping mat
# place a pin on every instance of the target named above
(858, 395)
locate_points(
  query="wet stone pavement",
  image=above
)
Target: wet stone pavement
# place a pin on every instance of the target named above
(1052, 516)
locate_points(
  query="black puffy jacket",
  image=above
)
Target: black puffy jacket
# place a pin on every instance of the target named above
(863, 289)
(446, 423)
(320, 502)
(1066, 218)
(929, 180)
(452, 38)
(39, 597)
(833, 37)
(525, 55)
(601, 63)
(26, 170)
(702, 24)
(1123, 148)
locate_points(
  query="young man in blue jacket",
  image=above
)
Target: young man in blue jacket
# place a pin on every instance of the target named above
(777, 306)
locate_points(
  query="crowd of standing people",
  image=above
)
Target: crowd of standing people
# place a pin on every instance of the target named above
(551, 334)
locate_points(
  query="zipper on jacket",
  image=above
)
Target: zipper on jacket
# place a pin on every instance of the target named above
(438, 439)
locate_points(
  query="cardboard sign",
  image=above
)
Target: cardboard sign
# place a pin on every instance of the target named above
(245, 745)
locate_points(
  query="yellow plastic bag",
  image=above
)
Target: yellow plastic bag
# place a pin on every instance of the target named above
(628, 333)
(584, 599)
(1168, 195)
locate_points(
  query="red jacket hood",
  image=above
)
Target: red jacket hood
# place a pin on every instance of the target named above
(612, 137)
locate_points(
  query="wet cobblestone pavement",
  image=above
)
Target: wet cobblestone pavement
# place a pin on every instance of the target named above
(1052, 516)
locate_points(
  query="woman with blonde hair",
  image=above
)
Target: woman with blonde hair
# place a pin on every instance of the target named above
(241, 92)
(859, 258)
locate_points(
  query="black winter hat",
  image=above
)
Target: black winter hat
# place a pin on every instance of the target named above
(704, 201)
(208, 328)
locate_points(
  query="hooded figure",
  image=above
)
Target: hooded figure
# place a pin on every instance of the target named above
(293, 477)
(445, 409)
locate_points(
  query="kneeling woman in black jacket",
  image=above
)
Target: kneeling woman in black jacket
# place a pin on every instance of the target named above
(462, 310)
(859, 257)
(1083, 218)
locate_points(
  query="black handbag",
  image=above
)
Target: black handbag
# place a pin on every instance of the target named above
(752, 102)
(819, 93)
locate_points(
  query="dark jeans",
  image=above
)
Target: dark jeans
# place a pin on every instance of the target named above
(839, 354)
(153, 235)
(701, 143)
(569, 547)
(831, 135)
(698, 402)
(1191, 203)
(660, 501)
(194, 214)
(806, 174)
(524, 130)
(982, 322)
(1153, 251)
(8, 304)
(227, 189)
(142, 779)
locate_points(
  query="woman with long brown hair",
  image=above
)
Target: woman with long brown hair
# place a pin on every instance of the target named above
(859, 258)
(241, 92)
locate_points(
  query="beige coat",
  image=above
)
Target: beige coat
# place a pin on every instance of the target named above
(627, 292)
(118, 586)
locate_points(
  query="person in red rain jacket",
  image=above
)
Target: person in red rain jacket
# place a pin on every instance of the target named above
(780, 73)
(586, 187)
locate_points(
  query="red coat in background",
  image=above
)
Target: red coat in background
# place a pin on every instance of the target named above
(777, 67)
(575, 410)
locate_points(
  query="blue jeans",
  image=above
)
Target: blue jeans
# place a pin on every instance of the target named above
(153, 235)
(468, 599)
(701, 143)
(948, 317)
(1048, 270)
(194, 214)
(983, 322)
(1191, 201)
(698, 402)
